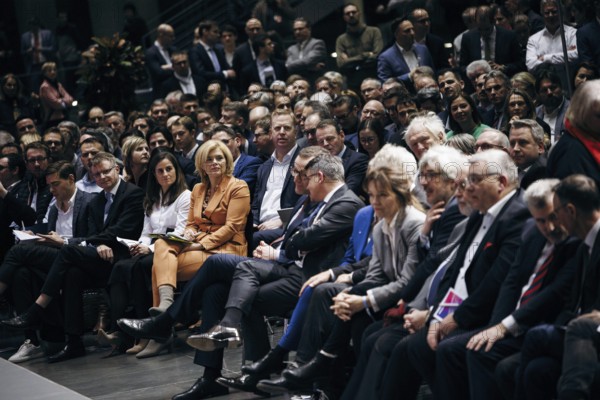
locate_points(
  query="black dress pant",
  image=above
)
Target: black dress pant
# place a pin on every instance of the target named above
(37, 257)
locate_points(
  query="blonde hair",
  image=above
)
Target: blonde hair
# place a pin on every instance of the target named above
(27, 138)
(202, 156)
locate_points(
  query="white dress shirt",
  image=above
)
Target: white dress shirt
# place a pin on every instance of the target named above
(163, 217)
(549, 47)
(272, 197)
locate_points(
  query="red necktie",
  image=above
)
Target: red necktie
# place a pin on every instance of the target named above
(537, 281)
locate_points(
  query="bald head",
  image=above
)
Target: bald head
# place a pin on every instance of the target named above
(492, 139)
(253, 28)
(374, 109)
(257, 113)
(165, 35)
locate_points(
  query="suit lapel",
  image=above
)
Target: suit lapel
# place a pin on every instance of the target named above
(115, 204)
(400, 58)
(214, 202)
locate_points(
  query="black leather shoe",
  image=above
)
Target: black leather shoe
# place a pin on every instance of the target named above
(71, 350)
(24, 321)
(218, 337)
(202, 389)
(317, 368)
(144, 329)
(281, 385)
(272, 363)
(245, 383)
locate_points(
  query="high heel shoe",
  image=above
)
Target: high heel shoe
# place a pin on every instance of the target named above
(109, 339)
(103, 321)
(139, 346)
(154, 348)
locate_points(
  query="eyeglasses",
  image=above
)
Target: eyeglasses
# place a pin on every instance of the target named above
(36, 159)
(488, 146)
(100, 174)
(368, 140)
(53, 143)
(307, 177)
(429, 176)
(295, 173)
(27, 128)
(476, 179)
(461, 185)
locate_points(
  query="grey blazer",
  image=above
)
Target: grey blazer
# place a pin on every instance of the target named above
(381, 272)
(314, 52)
(80, 216)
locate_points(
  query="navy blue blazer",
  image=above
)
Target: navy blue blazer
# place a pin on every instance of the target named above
(246, 169)
(587, 45)
(359, 246)
(391, 64)
(490, 263)
(549, 300)
(355, 168)
(125, 219)
(569, 156)
(250, 74)
(289, 197)
(80, 216)
(201, 64)
(506, 51)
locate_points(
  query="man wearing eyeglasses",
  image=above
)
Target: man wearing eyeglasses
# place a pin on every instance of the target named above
(245, 167)
(492, 139)
(117, 211)
(35, 190)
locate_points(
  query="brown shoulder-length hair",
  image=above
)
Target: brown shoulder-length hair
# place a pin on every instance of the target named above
(153, 189)
(202, 156)
(393, 180)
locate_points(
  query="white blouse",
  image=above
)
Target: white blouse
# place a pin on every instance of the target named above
(173, 216)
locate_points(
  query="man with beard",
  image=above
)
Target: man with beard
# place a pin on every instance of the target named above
(553, 102)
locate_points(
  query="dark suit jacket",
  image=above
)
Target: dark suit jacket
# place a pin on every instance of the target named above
(355, 168)
(25, 191)
(202, 65)
(250, 74)
(545, 305)
(242, 57)
(569, 156)
(288, 194)
(435, 44)
(326, 238)
(47, 47)
(81, 215)
(587, 42)
(506, 50)
(125, 219)
(246, 169)
(391, 64)
(154, 61)
(13, 209)
(172, 84)
(536, 171)
(490, 263)
(559, 125)
(585, 291)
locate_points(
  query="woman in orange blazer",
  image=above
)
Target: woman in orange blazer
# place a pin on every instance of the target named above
(219, 207)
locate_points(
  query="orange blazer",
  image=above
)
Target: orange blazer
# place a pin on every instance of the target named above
(221, 226)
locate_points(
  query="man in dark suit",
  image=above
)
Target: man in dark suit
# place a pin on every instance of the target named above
(211, 284)
(207, 60)
(331, 137)
(265, 69)
(534, 290)
(158, 58)
(587, 40)
(115, 212)
(13, 201)
(27, 264)
(244, 54)
(577, 208)
(404, 55)
(435, 44)
(245, 166)
(553, 103)
(481, 263)
(34, 188)
(492, 43)
(527, 150)
(274, 183)
(182, 78)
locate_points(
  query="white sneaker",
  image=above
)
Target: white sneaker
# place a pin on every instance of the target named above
(27, 351)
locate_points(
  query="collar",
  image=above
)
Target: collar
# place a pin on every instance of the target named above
(12, 185)
(191, 152)
(341, 153)
(494, 210)
(554, 113)
(590, 238)
(388, 228)
(206, 47)
(159, 46)
(115, 188)
(183, 78)
(70, 203)
(287, 157)
(403, 50)
(332, 192)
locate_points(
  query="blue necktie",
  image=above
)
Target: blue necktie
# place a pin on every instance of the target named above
(109, 201)
(214, 59)
(308, 221)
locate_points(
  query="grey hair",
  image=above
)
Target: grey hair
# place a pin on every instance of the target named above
(395, 156)
(499, 136)
(497, 162)
(478, 65)
(540, 193)
(113, 114)
(431, 123)
(464, 142)
(495, 74)
(448, 160)
(321, 97)
(536, 129)
(331, 167)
